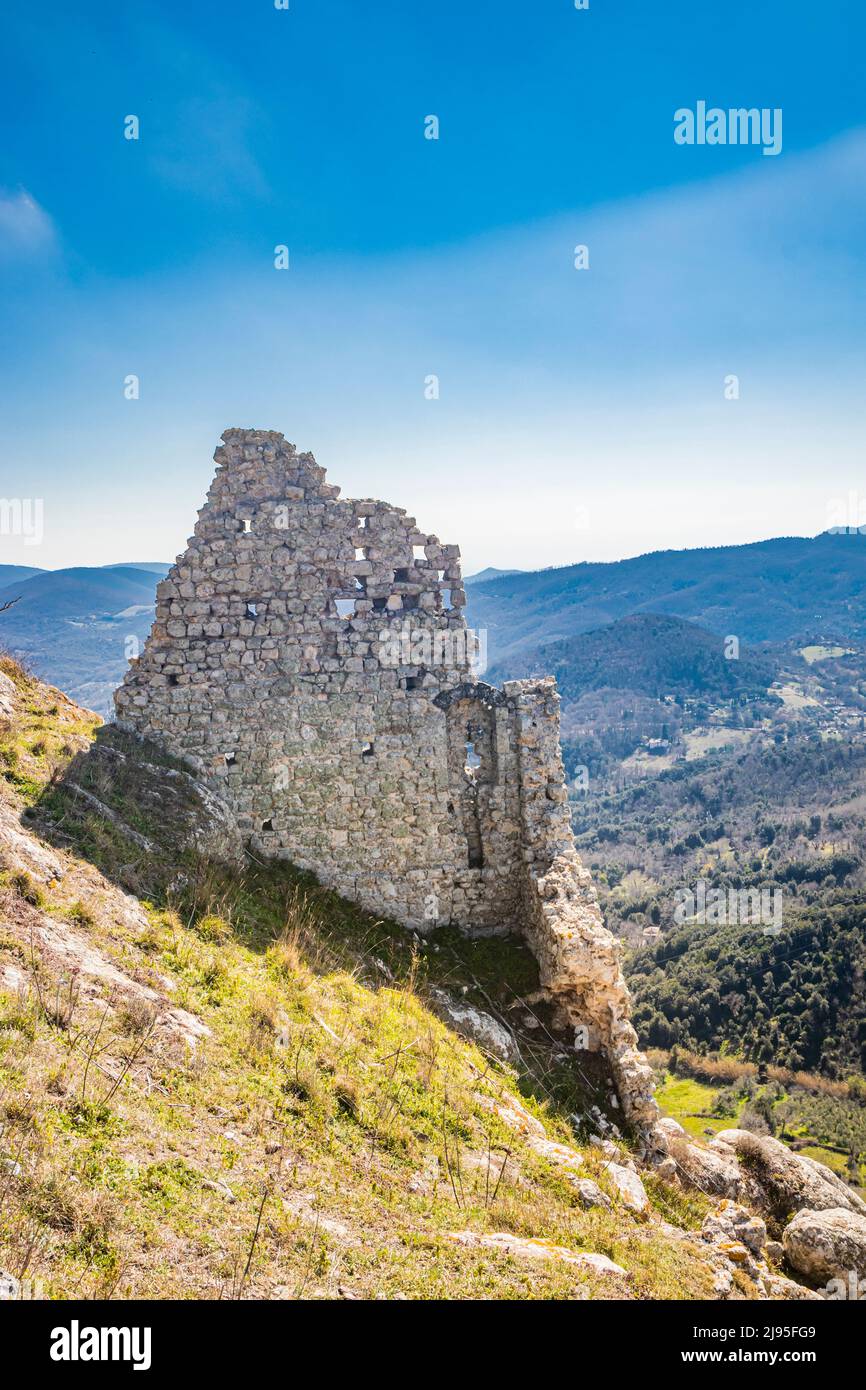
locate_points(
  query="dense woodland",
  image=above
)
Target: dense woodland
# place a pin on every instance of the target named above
(795, 1000)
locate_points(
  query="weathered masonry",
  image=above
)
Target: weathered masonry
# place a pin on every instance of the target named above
(311, 659)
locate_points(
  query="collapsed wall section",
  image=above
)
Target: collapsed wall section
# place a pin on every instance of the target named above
(310, 658)
(579, 960)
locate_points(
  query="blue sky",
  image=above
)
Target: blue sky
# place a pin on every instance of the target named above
(581, 414)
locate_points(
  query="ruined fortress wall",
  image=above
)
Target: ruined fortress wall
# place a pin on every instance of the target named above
(299, 649)
(310, 658)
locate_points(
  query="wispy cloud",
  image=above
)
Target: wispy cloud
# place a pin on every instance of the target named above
(25, 227)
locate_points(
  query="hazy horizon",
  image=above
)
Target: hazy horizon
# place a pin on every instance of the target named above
(468, 573)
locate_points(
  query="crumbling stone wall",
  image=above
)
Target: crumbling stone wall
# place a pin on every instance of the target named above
(310, 658)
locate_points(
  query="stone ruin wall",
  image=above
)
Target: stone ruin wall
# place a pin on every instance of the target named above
(310, 659)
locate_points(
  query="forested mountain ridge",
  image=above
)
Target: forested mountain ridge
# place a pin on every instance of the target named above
(789, 589)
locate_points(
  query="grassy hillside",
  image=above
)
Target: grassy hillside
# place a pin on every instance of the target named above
(226, 1082)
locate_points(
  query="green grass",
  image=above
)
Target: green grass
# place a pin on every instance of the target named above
(691, 1103)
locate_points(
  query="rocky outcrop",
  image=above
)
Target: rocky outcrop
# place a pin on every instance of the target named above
(580, 969)
(758, 1169)
(714, 1173)
(7, 696)
(589, 1194)
(50, 894)
(668, 1129)
(781, 1182)
(827, 1244)
(565, 1159)
(733, 1223)
(761, 1178)
(76, 969)
(738, 1246)
(182, 807)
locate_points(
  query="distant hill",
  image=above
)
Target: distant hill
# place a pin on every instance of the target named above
(82, 592)
(75, 627)
(152, 566)
(483, 575)
(772, 591)
(16, 574)
(649, 653)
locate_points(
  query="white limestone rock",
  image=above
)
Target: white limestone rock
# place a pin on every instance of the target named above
(828, 1244)
(707, 1170)
(669, 1128)
(782, 1181)
(483, 1029)
(590, 1194)
(529, 1248)
(629, 1187)
(732, 1222)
